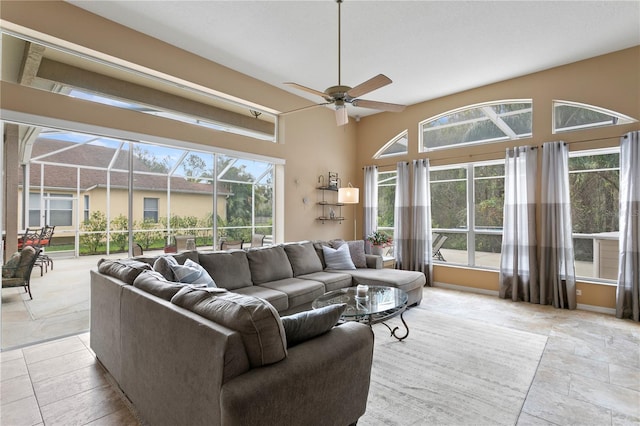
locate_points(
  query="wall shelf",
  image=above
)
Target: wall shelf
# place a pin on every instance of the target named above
(328, 204)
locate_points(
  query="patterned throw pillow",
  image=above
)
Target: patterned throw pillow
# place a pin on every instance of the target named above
(338, 258)
(192, 273)
(9, 268)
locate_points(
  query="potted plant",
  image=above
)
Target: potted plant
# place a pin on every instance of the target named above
(378, 240)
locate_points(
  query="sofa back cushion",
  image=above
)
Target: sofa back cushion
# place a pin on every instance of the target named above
(179, 257)
(269, 264)
(229, 269)
(255, 319)
(303, 258)
(154, 283)
(126, 270)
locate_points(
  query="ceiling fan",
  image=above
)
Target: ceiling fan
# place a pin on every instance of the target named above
(340, 95)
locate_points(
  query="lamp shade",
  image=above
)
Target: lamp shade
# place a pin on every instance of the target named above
(349, 195)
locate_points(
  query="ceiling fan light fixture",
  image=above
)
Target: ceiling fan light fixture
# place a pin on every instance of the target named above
(342, 116)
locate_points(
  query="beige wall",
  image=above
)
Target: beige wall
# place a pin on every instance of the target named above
(610, 81)
(310, 142)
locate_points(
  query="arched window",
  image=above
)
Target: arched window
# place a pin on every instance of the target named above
(479, 123)
(569, 116)
(396, 146)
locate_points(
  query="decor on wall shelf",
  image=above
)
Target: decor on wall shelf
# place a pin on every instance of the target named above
(331, 207)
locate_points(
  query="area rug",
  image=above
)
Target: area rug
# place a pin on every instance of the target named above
(450, 371)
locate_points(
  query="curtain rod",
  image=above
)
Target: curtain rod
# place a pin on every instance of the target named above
(502, 151)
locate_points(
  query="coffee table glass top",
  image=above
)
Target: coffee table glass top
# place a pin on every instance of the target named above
(379, 300)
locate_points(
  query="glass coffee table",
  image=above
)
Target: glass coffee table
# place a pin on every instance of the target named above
(379, 305)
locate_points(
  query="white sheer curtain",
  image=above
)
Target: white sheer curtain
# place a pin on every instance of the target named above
(628, 295)
(370, 219)
(421, 220)
(402, 217)
(518, 261)
(557, 269)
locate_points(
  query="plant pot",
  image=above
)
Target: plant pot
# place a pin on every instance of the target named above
(377, 250)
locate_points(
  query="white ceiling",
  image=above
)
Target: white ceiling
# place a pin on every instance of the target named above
(428, 48)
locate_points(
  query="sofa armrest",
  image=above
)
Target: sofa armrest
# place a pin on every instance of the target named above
(374, 261)
(322, 381)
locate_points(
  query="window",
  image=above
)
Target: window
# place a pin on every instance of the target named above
(58, 209)
(150, 210)
(467, 203)
(386, 204)
(396, 146)
(569, 116)
(86, 208)
(594, 184)
(474, 124)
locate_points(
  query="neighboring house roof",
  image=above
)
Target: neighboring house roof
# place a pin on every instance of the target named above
(95, 157)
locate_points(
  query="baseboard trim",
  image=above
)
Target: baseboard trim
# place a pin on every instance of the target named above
(599, 309)
(467, 289)
(580, 306)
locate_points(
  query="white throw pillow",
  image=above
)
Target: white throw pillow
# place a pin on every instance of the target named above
(192, 273)
(339, 258)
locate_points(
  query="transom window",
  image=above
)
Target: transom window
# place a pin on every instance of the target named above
(569, 116)
(475, 124)
(396, 146)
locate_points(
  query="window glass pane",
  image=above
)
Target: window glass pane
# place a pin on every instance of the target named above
(151, 204)
(493, 121)
(570, 116)
(57, 202)
(61, 218)
(489, 196)
(453, 250)
(396, 146)
(449, 199)
(488, 249)
(34, 218)
(594, 191)
(386, 200)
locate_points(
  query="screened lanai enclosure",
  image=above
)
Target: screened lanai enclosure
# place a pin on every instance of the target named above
(107, 195)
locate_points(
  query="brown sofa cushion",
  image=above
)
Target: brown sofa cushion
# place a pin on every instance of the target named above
(303, 258)
(9, 268)
(229, 269)
(126, 270)
(255, 319)
(26, 258)
(269, 264)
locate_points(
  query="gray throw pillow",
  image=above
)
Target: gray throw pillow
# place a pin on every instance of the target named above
(309, 324)
(192, 273)
(303, 258)
(339, 258)
(163, 265)
(356, 250)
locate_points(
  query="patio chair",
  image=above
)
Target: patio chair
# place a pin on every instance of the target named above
(437, 254)
(45, 239)
(225, 245)
(257, 240)
(31, 238)
(17, 271)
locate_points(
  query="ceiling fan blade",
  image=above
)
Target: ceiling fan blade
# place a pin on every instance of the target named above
(342, 117)
(370, 85)
(307, 89)
(382, 106)
(304, 108)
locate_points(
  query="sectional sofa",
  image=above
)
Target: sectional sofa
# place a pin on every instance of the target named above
(239, 345)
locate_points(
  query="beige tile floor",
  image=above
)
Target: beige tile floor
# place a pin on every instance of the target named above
(589, 373)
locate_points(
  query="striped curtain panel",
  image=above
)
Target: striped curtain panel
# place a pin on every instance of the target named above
(628, 295)
(402, 218)
(557, 269)
(518, 261)
(370, 219)
(421, 221)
